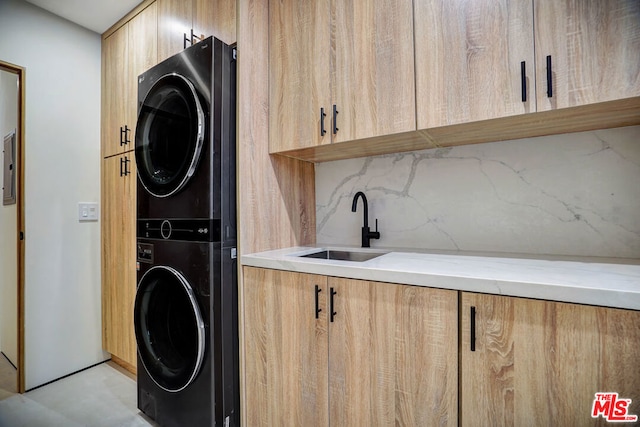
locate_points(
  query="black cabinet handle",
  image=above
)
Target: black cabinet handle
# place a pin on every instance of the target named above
(335, 119)
(523, 75)
(322, 116)
(473, 329)
(124, 166)
(549, 78)
(333, 313)
(318, 309)
(124, 135)
(190, 40)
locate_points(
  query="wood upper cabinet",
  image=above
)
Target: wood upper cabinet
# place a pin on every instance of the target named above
(474, 60)
(541, 363)
(126, 53)
(299, 74)
(594, 48)
(177, 18)
(354, 57)
(118, 232)
(387, 355)
(373, 69)
(469, 59)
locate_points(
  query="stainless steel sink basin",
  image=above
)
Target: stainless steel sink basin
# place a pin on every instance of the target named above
(343, 255)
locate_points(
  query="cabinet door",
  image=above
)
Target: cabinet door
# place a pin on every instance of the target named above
(594, 47)
(215, 18)
(373, 68)
(393, 355)
(285, 349)
(541, 363)
(299, 79)
(174, 21)
(118, 256)
(115, 89)
(468, 60)
(143, 54)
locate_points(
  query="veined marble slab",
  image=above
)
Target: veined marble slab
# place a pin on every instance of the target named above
(610, 283)
(571, 194)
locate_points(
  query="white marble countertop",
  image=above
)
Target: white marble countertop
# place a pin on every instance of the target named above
(594, 281)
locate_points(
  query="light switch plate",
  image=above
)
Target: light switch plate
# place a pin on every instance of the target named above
(87, 211)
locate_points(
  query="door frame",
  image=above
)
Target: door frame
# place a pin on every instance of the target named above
(20, 72)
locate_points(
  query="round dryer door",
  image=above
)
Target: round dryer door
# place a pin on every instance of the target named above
(169, 328)
(169, 135)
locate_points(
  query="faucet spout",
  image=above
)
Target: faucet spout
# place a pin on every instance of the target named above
(354, 206)
(367, 235)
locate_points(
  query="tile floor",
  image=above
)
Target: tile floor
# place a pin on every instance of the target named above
(102, 396)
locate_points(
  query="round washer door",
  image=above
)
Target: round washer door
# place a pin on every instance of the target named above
(169, 135)
(169, 328)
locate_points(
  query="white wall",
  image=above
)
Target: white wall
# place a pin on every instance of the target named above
(8, 228)
(62, 137)
(572, 194)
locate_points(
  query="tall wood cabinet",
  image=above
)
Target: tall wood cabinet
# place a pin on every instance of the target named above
(479, 60)
(321, 350)
(339, 71)
(126, 53)
(541, 363)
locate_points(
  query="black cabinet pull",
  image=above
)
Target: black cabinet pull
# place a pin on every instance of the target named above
(126, 166)
(335, 119)
(523, 75)
(333, 313)
(322, 116)
(124, 135)
(473, 329)
(549, 78)
(121, 166)
(318, 309)
(190, 40)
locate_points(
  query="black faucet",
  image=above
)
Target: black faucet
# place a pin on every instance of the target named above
(367, 235)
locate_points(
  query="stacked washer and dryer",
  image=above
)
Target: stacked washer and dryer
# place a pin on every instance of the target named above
(186, 305)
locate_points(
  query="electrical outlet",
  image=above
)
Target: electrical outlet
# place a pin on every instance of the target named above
(87, 211)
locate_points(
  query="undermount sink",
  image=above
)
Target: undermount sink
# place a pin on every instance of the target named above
(344, 255)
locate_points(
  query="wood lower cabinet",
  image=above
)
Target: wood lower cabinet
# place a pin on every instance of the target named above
(118, 229)
(285, 349)
(392, 354)
(541, 363)
(388, 356)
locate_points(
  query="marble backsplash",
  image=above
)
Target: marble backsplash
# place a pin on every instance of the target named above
(573, 194)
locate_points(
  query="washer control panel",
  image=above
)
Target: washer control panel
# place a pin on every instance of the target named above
(190, 230)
